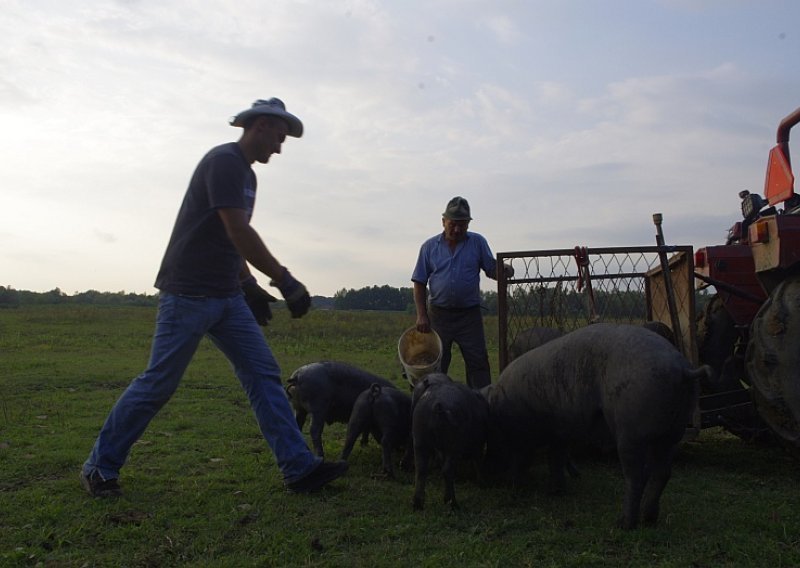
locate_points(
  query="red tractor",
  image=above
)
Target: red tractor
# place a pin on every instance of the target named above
(749, 331)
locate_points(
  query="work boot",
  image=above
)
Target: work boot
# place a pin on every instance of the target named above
(324, 473)
(96, 486)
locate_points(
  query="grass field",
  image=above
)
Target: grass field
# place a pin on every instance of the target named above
(202, 489)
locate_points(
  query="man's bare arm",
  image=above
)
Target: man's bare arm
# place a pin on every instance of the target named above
(249, 244)
(421, 303)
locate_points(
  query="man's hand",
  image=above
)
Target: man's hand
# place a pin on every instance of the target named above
(258, 300)
(508, 270)
(297, 298)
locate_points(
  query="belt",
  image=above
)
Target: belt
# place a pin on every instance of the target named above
(453, 309)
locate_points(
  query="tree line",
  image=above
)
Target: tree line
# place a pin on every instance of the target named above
(10, 298)
(376, 298)
(536, 302)
(388, 298)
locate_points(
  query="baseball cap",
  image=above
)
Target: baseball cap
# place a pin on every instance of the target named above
(457, 210)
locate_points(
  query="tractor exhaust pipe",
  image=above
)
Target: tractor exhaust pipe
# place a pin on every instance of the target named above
(783, 133)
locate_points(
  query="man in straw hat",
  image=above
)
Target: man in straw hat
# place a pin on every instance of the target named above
(449, 266)
(206, 289)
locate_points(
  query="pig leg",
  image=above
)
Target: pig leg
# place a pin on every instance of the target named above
(477, 467)
(660, 470)
(358, 425)
(300, 415)
(632, 459)
(317, 424)
(516, 469)
(572, 469)
(353, 432)
(386, 447)
(407, 461)
(558, 462)
(449, 474)
(348, 446)
(421, 460)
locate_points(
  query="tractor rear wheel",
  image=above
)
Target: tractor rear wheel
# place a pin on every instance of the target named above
(773, 361)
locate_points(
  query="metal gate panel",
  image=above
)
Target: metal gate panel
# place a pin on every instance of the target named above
(565, 289)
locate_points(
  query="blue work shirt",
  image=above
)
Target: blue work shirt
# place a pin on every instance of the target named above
(453, 278)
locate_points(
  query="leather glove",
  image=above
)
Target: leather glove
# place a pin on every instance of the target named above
(297, 298)
(258, 300)
(508, 270)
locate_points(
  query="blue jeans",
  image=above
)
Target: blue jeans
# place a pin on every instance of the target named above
(181, 324)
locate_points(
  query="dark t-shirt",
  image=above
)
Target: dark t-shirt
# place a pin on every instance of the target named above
(200, 259)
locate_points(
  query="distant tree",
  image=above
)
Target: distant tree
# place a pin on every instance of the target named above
(9, 298)
(54, 296)
(340, 299)
(384, 298)
(322, 303)
(88, 297)
(489, 301)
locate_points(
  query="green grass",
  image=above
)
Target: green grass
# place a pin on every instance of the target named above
(202, 488)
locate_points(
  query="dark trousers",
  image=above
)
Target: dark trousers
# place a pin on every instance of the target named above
(465, 328)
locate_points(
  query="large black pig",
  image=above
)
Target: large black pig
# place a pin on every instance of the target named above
(616, 386)
(531, 338)
(386, 414)
(327, 390)
(448, 419)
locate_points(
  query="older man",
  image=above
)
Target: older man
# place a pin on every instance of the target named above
(447, 290)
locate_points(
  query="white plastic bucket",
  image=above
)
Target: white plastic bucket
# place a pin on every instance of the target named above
(420, 353)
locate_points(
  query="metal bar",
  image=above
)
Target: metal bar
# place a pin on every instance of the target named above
(593, 251)
(719, 285)
(673, 309)
(569, 278)
(502, 315)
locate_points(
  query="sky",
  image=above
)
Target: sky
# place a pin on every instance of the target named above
(563, 123)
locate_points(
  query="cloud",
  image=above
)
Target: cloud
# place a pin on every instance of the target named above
(104, 237)
(561, 124)
(504, 29)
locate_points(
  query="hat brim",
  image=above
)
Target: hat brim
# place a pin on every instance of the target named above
(295, 125)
